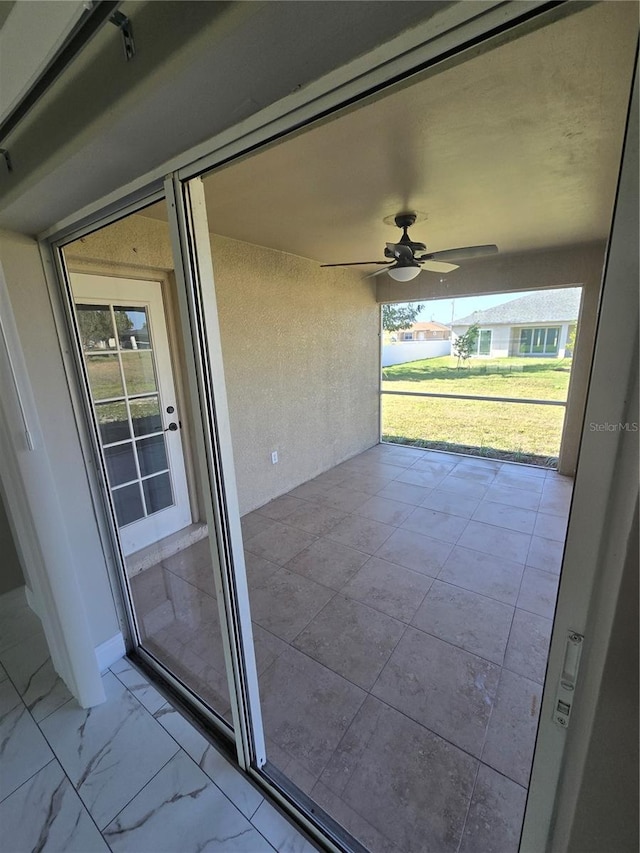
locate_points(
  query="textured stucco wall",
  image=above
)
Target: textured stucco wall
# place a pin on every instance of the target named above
(300, 349)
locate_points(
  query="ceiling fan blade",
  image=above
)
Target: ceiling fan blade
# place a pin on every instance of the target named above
(378, 272)
(357, 263)
(437, 266)
(464, 252)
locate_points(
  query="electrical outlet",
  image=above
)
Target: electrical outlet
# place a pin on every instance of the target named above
(274, 457)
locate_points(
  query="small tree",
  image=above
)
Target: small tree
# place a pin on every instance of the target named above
(464, 346)
(397, 317)
(96, 325)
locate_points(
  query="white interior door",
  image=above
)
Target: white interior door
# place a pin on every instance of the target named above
(126, 352)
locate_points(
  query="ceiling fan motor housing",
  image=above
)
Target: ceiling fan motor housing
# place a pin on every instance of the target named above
(405, 221)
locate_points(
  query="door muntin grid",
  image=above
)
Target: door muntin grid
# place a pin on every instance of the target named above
(117, 343)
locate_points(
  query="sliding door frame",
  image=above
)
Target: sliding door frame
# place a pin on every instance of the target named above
(472, 27)
(194, 268)
(62, 301)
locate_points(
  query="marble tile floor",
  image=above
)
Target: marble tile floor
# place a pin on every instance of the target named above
(402, 605)
(131, 775)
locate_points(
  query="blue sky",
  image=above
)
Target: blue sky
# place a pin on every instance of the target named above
(440, 309)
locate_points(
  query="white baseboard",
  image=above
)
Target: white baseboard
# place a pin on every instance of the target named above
(110, 651)
(107, 653)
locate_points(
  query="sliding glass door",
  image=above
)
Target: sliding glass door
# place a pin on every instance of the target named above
(145, 350)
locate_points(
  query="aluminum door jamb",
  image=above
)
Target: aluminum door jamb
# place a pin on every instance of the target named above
(199, 319)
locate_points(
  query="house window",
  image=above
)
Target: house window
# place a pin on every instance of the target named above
(539, 341)
(484, 342)
(407, 336)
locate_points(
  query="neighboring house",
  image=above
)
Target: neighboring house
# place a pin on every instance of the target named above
(536, 325)
(430, 331)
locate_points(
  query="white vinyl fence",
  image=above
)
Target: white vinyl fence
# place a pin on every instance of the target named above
(403, 351)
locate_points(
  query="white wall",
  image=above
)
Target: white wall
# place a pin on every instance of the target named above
(29, 297)
(403, 351)
(10, 571)
(499, 340)
(300, 350)
(500, 337)
(562, 340)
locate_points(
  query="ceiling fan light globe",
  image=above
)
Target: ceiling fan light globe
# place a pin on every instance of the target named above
(404, 273)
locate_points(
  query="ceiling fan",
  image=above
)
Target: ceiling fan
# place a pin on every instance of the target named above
(407, 258)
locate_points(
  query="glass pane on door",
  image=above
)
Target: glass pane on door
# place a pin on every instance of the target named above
(139, 375)
(145, 415)
(147, 432)
(104, 376)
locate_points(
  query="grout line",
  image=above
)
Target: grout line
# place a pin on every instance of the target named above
(212, 745)
(379, 676)
(466, 816)
(340, 674)
(455, 646)
(179, 749)
(293, 639)
(474, 591)
(26, 708)
(62, 767)
(33, 775)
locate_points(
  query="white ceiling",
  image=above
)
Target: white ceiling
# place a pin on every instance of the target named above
(519, 147)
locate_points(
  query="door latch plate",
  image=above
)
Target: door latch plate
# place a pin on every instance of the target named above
(566, 686)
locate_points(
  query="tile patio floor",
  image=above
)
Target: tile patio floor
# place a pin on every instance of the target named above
(402, 607)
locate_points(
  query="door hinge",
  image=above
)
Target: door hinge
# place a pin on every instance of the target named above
(568, 677)
(124, 25)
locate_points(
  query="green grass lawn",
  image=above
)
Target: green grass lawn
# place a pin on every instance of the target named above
(519, 431)
(105, 378)
(539, 379)
(106, 383)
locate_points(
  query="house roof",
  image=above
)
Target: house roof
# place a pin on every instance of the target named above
(431, 326)
(547, 306)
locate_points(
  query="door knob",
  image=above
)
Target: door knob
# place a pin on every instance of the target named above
(172, 427)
